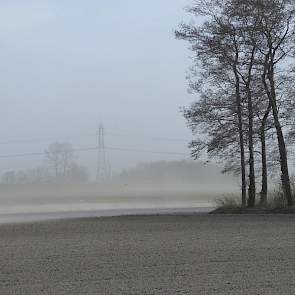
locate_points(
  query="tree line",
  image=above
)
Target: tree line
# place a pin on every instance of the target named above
(243, 73)
(183, 174)
(61, 166)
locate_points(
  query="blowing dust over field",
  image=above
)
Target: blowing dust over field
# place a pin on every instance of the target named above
(154, 185)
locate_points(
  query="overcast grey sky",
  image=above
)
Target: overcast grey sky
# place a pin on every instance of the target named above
(69, 64)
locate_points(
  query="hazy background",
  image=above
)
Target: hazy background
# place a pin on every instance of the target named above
(69, 65)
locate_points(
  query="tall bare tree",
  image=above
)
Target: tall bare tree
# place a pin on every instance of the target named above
(277, 27)
(241, 45)
(217, 46)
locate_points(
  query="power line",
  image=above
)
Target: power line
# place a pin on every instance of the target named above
(21, 155)
(48, 139)
(40, 153)
(147, 136)
(44, 139)
(146, 151)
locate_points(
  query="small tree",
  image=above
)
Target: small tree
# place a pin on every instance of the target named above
(61, 158)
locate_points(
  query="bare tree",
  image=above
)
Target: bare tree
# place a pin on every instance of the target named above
(277, 27)
(271, 32)
(217, 46)
(61, 158)
(240, 46)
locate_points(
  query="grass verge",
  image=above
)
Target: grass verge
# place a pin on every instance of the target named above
(231, 204)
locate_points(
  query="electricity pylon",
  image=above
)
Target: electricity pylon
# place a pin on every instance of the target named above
(103, 163)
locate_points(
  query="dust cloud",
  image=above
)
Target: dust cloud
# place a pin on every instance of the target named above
(151, 185)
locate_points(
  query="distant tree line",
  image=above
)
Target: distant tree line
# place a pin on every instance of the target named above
(243, 73)
(61, 167)
(182, 174)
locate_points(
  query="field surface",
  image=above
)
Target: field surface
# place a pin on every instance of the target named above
(193, 254)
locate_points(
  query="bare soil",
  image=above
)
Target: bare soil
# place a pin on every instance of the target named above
(192, 254)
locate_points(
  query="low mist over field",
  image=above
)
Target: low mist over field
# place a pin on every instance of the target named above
(180, 183)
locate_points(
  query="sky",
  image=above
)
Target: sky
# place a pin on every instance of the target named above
(69, 65)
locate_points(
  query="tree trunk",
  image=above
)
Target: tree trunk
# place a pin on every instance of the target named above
(264, 187)
(241, 139)
(283, 158)
(280, 136)
(252, 186)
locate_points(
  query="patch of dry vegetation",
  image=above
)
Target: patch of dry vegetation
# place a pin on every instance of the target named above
(276, 203)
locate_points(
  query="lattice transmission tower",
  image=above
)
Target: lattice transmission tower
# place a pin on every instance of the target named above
(103, 162)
